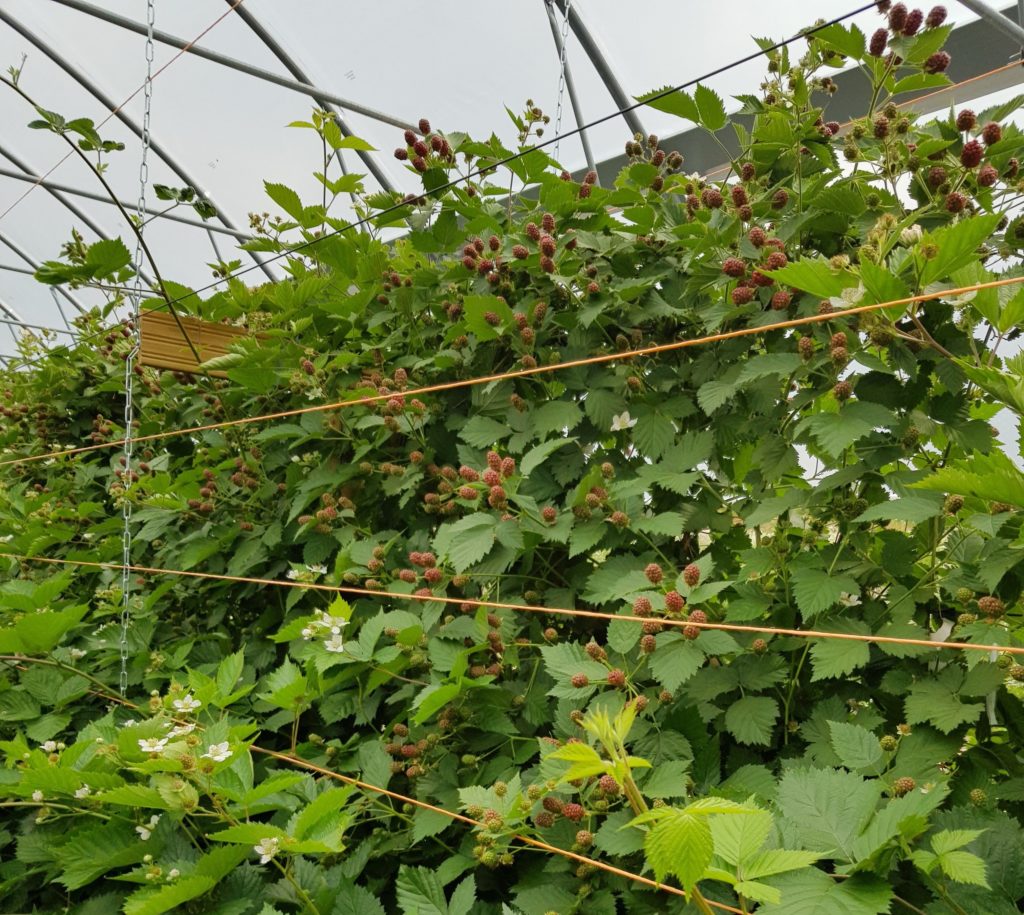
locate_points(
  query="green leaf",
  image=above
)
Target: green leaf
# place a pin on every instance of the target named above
(670, 779)
(539, 454)
(674, 660)
(957, 246)
(320, 819)
(653, 434)
(835, 432)
(466, 541)
(483, 432)
(813, 275)
(680, 844)
(710, 108)
(963, 867)
(751, 719)
(856, 747)
(106, 257)
(584, 760)
(419, 892)
(832, 658)
(936, 703)
(738, 839)
(815, 590)
(352, 899)
(154, 902)
(827, 807)
(846, 40)
(286, 199)
(912, 509)
(676, 102)
(813, 892)
(477, 306)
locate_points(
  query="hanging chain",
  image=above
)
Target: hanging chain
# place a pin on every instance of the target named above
(561, 78)
(129, 362)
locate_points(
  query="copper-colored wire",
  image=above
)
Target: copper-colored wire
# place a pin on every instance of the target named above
(912, 101)
(524, 373)
(525, 608)
(114, 111)
(527, 840)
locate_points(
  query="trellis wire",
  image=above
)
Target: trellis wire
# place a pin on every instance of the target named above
(561, 78)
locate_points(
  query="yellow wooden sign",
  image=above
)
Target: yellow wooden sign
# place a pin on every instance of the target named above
(164, 346)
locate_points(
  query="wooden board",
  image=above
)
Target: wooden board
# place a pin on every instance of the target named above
(164, 347)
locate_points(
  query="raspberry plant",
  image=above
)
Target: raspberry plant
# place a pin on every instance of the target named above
(843, 476)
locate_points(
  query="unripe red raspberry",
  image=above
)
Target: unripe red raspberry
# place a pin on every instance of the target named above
(1017, 672)
(897, 17)
(843, 390)
(991, 606)
(433, 575)
(937, 63)
(573, 811)
(308, 367)
(619, 519)
(547, 264)
(991, 133)
(593, 288)
(733, 266)
(879, 40)
(528, 336)
(508, 467)
(747, 171)
(691, 574)
(585, 191)
(914, 19)
(608, 785)
(496, 498)
(779, 199)
(584, 839)
(712, 198)
(690, 632)
(579, 680)
(420, 148)
(491, 477)
(697, 616)
(424, 126)
(971, 154)
(776, 260)
(494, 243)
(549, 514)
(469, 263)
(955, 202)
(407, 575)
(881, 126)
(805, 346)
(595, 651)
(738, 194)
(640, 702)
(642, 607)
(966, 120)
(547, 245)
(936, 176)
(741, 295)
(833, 127)
(664, 696)
(781, 300)
(410, 750)
(674, 602)
(544, 820)
(935, 17)
(840, 355)
(548, 223)
(437, 144)
(616, 678)
(987, 176)
(759, 646)
(903, 785)
(419, 163)
(590, 177)
(653, 573)
(520, 252)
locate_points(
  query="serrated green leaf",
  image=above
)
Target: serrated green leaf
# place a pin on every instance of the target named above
(856, 747)
(813, 892)
(751, 720)
(815, 590)
(710, 108)
(155, 902)
(539, 454)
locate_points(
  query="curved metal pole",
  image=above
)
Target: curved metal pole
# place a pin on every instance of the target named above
(62, 198)
(996, 19)
(570, 87)
(86, 83)
(35, 264)
(233, 63)
(325, 103)
(600, 62)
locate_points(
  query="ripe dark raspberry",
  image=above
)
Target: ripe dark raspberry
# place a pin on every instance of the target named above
(549, 514)
(419, 163)
(424, 126)
(738, 194)
(552, 804)
(697, 616)
(991, 606)
(878, 42)
(775, 261)
(881, 126)
(410, 138)
(987, 176)
(757, 236)
(966, 120)
(547, 264)
(590, 178)
(437, 144)
(547, 245)
(494, 243)
(642, 607)
(712, 198)
(747, 171)
(781, 300)
(532, 231)
(935, 17)
(937, 63)
(733, 266)
(421, 148)
(548, 223)
(843, 390)
(573, 811)
(616, 678)
(584, 191)
(580, 680)
(761, 279)
(741, 295)
(971, 154)
(903, 785)
(648, 643)
(401, 154)
(608, 785)
(690, 632)
(691, 574)
(779, 199)
(936, 176)
(544, 820)
(674, 602)
(833, 127)
(897, 17)
(914, 19)
(991, 133)
(653, 573)
(520, 252)
(308, 367)
(955, 202)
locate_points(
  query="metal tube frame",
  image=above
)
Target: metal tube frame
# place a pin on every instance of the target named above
(570, 87)
(601, 65)
(997, 20)
(326, 104)
(35, 264)
(86, 83)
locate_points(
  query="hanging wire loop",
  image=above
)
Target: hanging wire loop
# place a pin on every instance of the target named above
(130, 360)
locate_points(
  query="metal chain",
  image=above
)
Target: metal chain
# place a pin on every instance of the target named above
(129, 362)
(561, 78)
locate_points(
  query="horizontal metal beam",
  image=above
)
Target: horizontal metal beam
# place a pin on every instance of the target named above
(52, 330)
(241, 66)
(100, 198)
(28, 259)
